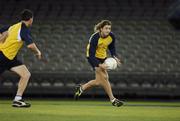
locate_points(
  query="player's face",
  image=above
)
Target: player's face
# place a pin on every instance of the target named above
(106, 30)
(30, 22)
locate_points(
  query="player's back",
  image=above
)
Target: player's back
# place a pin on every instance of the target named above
(13, 42)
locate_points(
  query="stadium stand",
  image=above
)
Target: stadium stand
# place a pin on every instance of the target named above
(146, 42)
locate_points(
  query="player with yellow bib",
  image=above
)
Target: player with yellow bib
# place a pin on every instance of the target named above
(101, 41)
(11, 41)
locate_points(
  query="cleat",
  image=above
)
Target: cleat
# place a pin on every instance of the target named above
(78, 92)
(20, 104)
(117, 103)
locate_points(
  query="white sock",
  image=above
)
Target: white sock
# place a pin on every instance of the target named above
(17, 97)
(113, 100)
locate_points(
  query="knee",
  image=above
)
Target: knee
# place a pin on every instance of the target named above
(26, 75)
(97, 83)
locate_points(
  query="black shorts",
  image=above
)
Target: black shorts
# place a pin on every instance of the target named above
(6, 64)
(91, 63)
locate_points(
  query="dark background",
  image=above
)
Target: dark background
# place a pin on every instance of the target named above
(147, 40)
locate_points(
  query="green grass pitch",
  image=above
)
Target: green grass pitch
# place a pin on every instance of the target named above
(58, 110)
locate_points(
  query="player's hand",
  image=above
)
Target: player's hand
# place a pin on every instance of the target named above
(118, 61)
(103, 66)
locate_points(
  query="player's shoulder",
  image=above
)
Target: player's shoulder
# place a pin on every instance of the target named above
(15, 25)
(95, 36)
(111, 34)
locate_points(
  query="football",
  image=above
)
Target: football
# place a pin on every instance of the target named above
(111, 63)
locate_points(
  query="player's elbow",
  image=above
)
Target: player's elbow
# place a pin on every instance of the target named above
(30, 46)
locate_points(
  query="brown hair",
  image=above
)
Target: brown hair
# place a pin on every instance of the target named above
(101, 24)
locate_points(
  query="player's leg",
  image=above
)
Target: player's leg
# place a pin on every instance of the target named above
(88, 85)
(94, 82)
(104, 82)
(101, 79)
(3, 63)
(81, 88)
(24, 74)
(107, 87)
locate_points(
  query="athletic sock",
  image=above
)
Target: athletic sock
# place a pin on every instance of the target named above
(113, 100)
(17, 97)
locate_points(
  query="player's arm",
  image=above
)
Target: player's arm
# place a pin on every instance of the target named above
(92, 50)
(112, 49)
(3, 34)
(26, 36)
(35, 49)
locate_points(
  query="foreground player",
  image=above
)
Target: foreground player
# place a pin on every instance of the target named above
(11, 40)
(99, 42)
